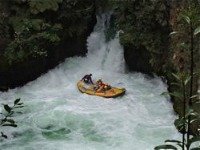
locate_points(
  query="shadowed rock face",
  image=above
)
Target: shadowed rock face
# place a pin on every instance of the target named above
(137, 59)
(21, 73)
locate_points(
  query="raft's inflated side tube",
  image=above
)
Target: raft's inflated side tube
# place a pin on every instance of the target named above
(89, 89)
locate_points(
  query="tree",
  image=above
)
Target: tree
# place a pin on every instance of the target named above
(187, 32)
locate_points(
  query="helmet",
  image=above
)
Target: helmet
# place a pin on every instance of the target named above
(99, 80)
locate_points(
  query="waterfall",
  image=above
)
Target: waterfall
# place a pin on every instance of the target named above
(105, 55)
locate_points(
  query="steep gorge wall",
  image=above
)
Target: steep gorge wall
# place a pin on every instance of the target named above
(145, 36)
(76, 19)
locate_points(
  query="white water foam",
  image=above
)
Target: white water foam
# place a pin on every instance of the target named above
(57, 116)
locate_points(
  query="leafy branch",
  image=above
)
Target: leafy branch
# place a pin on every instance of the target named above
(189, 116)
(6, 119)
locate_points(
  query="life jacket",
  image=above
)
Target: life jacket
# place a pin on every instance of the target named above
(102, 84)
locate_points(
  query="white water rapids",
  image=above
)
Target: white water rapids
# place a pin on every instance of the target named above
(57, 116)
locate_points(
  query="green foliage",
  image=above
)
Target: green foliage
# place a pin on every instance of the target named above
(34, 27)
(197, 31)
(144, 23)
(190, 14)
(74, 16)
(187, 30)
(165, 147)
(29, 39)
(38, 6)
(6, 116)
(197, 148)
(189, 115)
(193, 140)
(4, 29)
(189, 25)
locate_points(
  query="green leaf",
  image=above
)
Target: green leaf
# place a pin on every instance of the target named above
(173, 33)
(194, 114)
(191, 112)
(180, 145)
(165, 147)
(3, 135)
(11, 125)
(165, 93)
(174, 141)
(11, 121)
(17, 101)
(180, 123)
(19, 106)
(186, 18)
(197, 31)
(176, 94)
(193, 120)
(194, 96)
(184, 46)
(20, 103)
(187, 80)
(197, 74)
(193, 139)
(176, 76)
(176, 84)
(195, 148)
(7, 108)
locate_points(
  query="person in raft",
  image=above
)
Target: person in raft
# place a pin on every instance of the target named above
(102, 86)
(87, 79)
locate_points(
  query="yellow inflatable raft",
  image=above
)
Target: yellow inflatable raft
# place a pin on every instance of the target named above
(89, 89)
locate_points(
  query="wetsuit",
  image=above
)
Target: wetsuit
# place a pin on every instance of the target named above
(87, 79)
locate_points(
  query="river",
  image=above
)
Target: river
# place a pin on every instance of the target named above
(57, 116)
